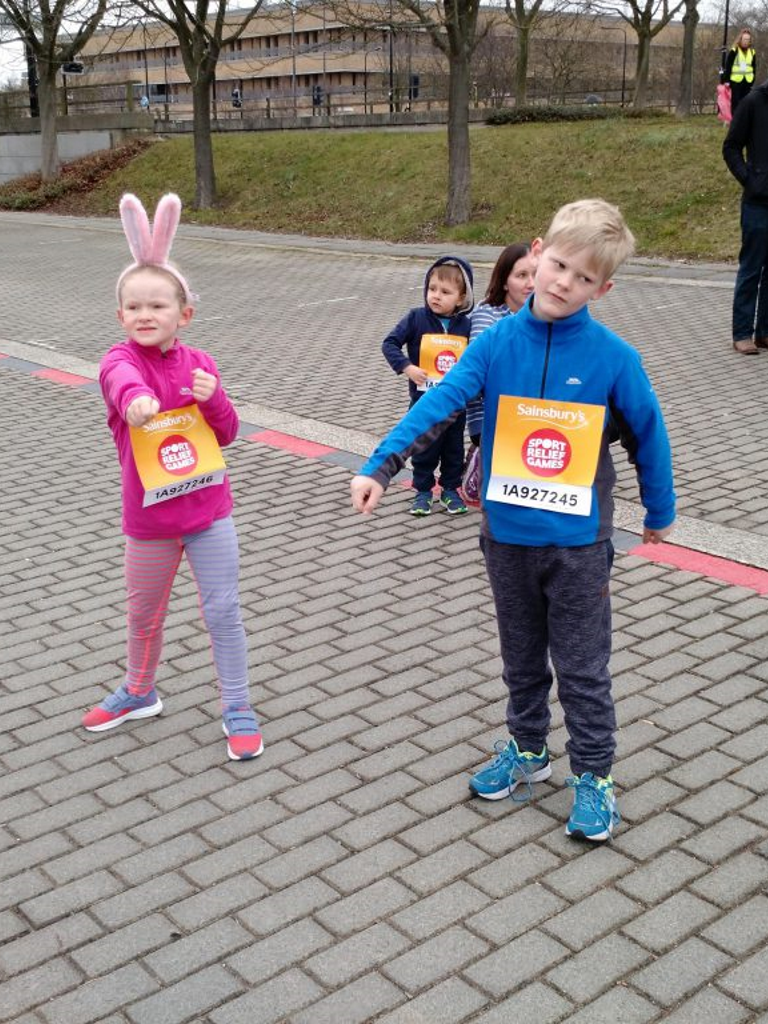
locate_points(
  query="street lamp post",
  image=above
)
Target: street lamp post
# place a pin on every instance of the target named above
(165, 80)
(293, 61)
(32, 80)
(618, 28)
(146, 65)
(325, 75)
(624, 67)
(391, 61)
(724, 50)
(34, 101)
(376, 49)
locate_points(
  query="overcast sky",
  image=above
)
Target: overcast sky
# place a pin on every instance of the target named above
(11, 61)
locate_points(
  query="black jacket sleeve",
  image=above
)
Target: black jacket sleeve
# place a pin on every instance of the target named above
(736, 141)
(729, 59)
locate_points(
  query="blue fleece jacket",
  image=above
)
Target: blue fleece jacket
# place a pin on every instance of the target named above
(407, 334)
(572, 360)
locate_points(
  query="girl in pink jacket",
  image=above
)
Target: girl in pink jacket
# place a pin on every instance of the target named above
(150, 372)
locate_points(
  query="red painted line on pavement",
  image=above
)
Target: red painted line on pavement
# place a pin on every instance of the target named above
(733, 573)
(62, 377)
(289, 443)
(4, 355)
(723, 569)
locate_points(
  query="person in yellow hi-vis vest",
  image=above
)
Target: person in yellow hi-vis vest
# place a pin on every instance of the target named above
(740, 67)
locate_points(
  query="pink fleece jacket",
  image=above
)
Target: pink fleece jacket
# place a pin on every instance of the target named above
(129, 370)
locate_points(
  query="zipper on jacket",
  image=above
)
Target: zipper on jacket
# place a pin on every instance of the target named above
(546, 360)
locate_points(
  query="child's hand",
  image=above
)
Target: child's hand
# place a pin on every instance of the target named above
(366, 493)
(141, 410)
(203, 385)
(416, 374)
(656, 536)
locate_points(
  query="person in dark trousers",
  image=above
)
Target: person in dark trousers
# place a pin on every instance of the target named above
(554, 381)
(740, 68)
(745, 151)
(434, 337)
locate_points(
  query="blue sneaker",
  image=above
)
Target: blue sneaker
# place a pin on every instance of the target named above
(453, 503)
(122, 706)
(594, 813)
(422, 504)
(508, 769)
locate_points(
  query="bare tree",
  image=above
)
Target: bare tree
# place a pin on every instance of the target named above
(53, 33)
(690, 21)
(753, 15)
(647, 18)
(524, 15)
(568, 53)
(705, 68)
(523, 19)
(493, 68)
(452, 25)
(203, 28)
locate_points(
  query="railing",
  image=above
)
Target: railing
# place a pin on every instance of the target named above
(286, 103)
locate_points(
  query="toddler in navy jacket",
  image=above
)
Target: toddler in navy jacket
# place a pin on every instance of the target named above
(434, 337)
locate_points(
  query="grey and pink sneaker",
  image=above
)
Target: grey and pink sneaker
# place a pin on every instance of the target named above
(122, 706)
(242, 731)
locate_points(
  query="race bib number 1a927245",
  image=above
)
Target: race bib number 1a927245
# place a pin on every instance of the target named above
(545, 454)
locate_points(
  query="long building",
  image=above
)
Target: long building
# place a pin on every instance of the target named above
(292, 59)
(298, 58)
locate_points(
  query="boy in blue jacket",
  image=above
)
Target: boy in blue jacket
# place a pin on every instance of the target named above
(556, 384)
(434, 337)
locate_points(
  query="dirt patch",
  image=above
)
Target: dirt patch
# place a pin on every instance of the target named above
(68, 193)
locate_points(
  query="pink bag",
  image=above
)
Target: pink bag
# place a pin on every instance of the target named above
(724, 102)
(470, 481)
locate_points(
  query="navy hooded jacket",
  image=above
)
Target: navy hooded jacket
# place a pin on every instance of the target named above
(421, 320)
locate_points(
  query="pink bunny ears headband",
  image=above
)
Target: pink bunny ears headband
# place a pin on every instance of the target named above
(151, 246)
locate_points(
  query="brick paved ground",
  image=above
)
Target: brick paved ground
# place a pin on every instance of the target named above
(347, 876)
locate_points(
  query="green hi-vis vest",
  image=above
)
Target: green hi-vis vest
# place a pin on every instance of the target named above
(743, 69)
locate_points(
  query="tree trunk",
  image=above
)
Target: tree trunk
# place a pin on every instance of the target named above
(49, 149)
(690, 21)
(641, 70)
(521, 70)
(459, 206)
(205, 175)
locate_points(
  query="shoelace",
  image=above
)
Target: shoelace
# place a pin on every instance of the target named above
(590, 794)
(513, 764)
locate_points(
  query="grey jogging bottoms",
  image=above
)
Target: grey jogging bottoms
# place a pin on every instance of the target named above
(554, 603)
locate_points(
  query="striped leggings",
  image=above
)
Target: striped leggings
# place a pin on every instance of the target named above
(150, 569)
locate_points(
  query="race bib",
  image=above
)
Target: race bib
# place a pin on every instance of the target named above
(438, 354)
(545, 454)
(176, 452)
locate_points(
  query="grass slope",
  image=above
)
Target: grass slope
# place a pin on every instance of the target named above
(667, 176)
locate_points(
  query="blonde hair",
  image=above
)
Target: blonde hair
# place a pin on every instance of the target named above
(595, 225)
(167, 272)
(737, 40)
